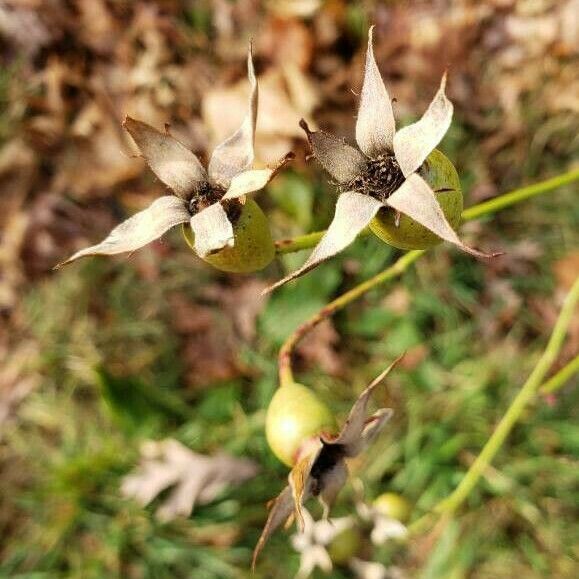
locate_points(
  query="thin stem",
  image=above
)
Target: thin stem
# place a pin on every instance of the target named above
(561, 377)
(486, 208)
(399, 266)
(450, 504)
(285, 353)
(518, 195)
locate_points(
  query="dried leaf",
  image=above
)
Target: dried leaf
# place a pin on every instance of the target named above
(417, 200)
(235, 154)
(196, 478)
(375, 125)
(412, 144)
(171, 161)
(140, 229)
(353, 213)
(342, 161)
(213, 230)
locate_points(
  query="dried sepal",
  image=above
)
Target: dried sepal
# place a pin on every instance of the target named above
(280, 510)
(353, 428)
(412, 144)
(354, 212)
(253, 180)
(375, 125)
(170, 160)
(139, 230)
(342, 161)
(418, 201)
(235, 154)
(299, 482)
(213, 230)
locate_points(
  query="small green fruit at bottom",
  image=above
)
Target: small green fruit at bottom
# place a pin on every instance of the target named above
(394, 506)
(295, 416)
(253, 249)
(345, 545)
(439, 173)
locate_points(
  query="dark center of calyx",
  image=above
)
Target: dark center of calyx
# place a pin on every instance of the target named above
(209, 193)
(379, 178)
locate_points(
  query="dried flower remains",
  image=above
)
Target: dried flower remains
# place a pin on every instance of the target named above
(384, 172)
(323, 472)
(210, 201)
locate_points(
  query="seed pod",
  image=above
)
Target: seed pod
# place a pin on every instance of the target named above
(345, 545)
(253, 248)
(295, 417)
(394, 506)
(442, 177)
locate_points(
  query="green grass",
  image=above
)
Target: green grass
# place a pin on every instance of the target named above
(111, 376)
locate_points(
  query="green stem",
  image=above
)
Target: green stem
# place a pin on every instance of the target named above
(399, 266)
(450, 504)
(561, 377)
(486, 208)
(285, 353)
(518, 195)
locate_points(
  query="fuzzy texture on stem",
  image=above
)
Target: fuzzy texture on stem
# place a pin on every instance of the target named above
(399, 266)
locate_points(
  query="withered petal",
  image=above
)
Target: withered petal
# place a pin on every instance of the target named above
(235, 154)
(213, 230)
(342, 161)
(418, 201)
(170, 160)
(351, 434)
(140, 229)
(354, 211)
(281, 509)
(412, 144)
(375, 125)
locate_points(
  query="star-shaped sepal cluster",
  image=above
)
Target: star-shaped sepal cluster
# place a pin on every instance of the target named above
(384, 173)
(323, 472)
(211, 201)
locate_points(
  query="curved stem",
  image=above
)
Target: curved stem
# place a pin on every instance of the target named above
(285, 353)
(530, 388)
(561, 377)
(310, 240)
(399, 266)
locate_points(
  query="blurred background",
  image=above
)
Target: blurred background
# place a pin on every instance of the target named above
(107, 354)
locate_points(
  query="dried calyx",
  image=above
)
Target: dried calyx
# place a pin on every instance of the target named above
(379, 178)
(385, 174)
(211, 201)
(323, 472)
(210, 193)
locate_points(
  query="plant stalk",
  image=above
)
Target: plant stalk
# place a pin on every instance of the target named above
(399, 266)
(530, 388)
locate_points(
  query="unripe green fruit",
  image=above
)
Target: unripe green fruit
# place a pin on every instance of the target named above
(295, 416)
(345, 545)
(439, 173)
(394, 506)
(254, 248)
